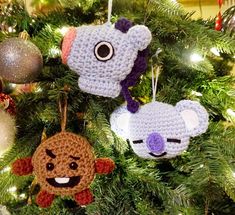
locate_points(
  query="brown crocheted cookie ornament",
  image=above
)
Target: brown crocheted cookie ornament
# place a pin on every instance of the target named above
(64, 165)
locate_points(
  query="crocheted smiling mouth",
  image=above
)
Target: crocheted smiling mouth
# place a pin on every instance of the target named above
(64, 182)
(157, 156)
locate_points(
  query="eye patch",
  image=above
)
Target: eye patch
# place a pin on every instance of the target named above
(137, 141)
(173, 140)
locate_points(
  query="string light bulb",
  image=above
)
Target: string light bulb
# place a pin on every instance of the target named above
(38, 90)
(233, 174)
(22, 195)
(64, 30)
(54, 51)
(12, 85)
(230, 112)
(6, 169)
(196, 58)
(195, 93)
(215, 51)
(12, 189)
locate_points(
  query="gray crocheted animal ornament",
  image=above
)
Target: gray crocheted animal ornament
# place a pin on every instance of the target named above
(160, 130)
(107, 59)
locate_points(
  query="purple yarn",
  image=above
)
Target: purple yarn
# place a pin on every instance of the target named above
(132, 105)
(123, 25)
(139, 68)
(155, 143)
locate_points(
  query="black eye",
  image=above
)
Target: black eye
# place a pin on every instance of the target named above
(173, 140)
(50, 166)
(73, 166)
(103, 51)
(137, 141)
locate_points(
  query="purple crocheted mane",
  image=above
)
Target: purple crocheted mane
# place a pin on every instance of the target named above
(139, 68)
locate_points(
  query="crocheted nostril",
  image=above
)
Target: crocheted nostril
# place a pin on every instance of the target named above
(67, 44)
(155, 143)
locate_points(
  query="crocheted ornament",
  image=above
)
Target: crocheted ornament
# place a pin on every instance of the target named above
(64, 165)
(160, 130)
(7, 131)
(108, 60)
(7, 104)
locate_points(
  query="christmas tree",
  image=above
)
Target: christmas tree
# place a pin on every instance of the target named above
(196, 64)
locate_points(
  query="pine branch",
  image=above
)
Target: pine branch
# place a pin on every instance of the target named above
(98, 128)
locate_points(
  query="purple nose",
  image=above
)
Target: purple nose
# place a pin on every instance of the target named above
(155, 143)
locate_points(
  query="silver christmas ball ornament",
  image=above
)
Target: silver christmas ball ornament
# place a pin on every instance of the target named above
(20, 61)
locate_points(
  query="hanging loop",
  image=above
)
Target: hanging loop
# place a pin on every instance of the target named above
(155, 73)
(63, 106)
(110, 5)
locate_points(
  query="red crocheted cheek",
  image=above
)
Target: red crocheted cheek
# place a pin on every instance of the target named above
(44, 199)
(67, 44)
(22, 166)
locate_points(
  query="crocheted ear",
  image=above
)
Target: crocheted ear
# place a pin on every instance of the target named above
(140, 36)
(119, 121)
(194, 115)
(67, 44)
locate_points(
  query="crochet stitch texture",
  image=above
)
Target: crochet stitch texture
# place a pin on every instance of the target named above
(64, 145)
(160, 130)
(103, 56)
(64, 165)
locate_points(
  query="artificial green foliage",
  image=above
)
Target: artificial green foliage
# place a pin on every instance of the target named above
(200, 181)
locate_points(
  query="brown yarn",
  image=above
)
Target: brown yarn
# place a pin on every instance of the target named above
(63, 106)
(64, 145)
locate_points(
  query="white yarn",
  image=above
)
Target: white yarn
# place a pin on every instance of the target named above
(7, 131)
(154, 82)
(167, 121)
(119, 121)
(103, 77)
(110, 11)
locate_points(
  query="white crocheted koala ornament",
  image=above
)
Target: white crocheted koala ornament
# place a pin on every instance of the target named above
(103, 55)
(160, 130)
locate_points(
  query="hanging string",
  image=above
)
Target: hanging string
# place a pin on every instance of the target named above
(155, 75)
(110, 11)
(44, 135)
(63, 105)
